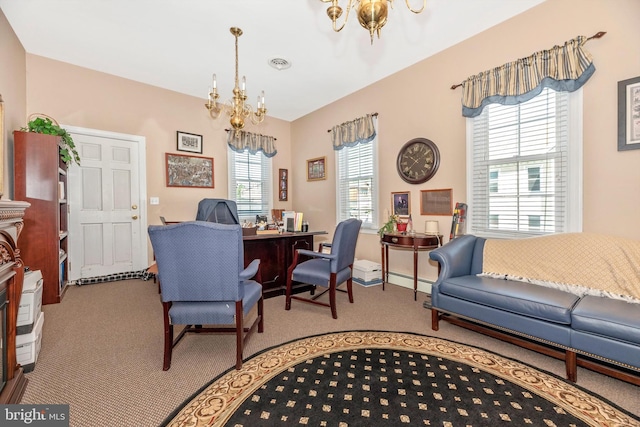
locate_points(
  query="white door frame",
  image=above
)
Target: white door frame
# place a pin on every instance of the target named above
(140, 141)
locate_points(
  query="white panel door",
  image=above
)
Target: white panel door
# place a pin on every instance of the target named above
(107, 201)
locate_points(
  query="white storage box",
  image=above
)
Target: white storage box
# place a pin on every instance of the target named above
(367, 273)
(28, 346)
(30, 302)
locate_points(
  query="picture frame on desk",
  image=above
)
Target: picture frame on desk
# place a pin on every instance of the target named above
(629, 114)
(189, 142)
(189, 171)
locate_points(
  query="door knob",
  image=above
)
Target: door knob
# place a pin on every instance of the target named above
(134, 217)
(134, 207)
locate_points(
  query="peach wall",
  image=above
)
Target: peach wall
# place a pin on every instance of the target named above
(13, 78)
(80, 97)
(418, 102)
(414, 102)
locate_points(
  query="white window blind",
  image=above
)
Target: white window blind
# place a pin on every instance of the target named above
(250, 184)
(524, 162)
(357, 187)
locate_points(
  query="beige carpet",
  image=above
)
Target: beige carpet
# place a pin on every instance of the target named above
(102, 350)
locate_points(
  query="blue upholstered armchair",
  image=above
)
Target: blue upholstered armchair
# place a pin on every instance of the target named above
(203, 282)
(327, 270)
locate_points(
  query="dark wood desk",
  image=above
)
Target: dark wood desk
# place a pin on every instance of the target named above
(406, 241)
(275, 252)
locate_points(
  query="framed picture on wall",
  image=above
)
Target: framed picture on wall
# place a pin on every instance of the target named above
(189, 142)
(401, 203)
(283, 185)
(629, 114)
(316, 169)
(189, 171)
(436, 202)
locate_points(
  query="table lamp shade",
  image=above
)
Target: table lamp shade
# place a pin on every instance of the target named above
(431, 227)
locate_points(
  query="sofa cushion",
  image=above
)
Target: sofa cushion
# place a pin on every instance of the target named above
(517, 297)
(608, 317)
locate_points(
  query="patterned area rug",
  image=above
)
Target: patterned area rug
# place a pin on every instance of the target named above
(376, 378)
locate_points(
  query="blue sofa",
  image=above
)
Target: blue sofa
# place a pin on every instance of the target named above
(585, 327)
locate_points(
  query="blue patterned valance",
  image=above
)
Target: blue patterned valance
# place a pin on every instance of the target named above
(562, 68)
(352, 133)
(240, 140)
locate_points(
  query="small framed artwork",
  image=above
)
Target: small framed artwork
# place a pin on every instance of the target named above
(629, 114)
(189, 142)
(401, 203)
(316, 169)
(283, 185)
(189, 171)
(436, 202)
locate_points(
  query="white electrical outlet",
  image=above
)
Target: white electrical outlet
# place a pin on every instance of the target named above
(154, 200)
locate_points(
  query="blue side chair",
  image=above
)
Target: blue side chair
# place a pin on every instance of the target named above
(326, 269)
(203, 282)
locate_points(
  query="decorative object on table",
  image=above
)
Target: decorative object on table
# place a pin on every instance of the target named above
(189, 171)
(431, 228)
(316, 169)
(401, 203)
(372, 14)
(436, 202)
(236, 108)
(629, 114)
(459, 221)
(189, 142)
(41, 123)
(389, 226)
(283, 185)
(418, 161)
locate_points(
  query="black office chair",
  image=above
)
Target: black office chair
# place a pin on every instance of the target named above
(222, 211)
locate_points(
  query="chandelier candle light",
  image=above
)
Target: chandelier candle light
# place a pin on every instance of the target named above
(236, 108)
(372, 14)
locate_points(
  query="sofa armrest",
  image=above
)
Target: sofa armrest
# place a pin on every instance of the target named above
(456, 258)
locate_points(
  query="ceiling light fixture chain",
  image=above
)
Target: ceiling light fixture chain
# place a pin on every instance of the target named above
(372, 14)
(237, 109)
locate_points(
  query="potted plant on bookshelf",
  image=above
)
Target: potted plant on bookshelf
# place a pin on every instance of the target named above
(47, 125)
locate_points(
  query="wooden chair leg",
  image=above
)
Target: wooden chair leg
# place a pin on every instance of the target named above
(168, 337)
(571, 365)
(260, 313)
(332, 295)
(287, 305)
(435, 319)
(239, 334)
(350, 289)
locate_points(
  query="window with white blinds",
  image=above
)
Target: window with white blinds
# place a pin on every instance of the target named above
(250, 184)
(357, 186)
(525, 167)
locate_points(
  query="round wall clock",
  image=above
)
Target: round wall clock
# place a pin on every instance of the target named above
(418, 161)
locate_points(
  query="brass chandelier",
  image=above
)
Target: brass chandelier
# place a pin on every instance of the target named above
(372, 14)
(236, 108)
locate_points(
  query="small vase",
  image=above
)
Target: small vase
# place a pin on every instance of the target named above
(402, 227)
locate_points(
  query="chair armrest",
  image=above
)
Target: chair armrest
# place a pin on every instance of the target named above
(251, 270)
(455, 258)
(314, 254)
(323, 245)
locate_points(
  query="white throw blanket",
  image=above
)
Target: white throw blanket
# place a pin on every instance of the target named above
(580, 263)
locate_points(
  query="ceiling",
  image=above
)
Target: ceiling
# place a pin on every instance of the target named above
(179, 44)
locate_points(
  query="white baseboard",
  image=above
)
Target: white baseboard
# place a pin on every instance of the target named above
(407, 282)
